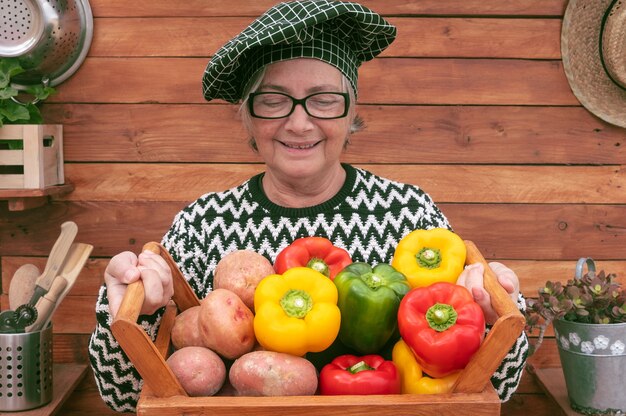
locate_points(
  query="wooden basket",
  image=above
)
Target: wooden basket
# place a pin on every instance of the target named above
(163, 395)
(31, 156)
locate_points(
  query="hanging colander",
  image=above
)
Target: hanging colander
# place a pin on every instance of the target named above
(49, 37)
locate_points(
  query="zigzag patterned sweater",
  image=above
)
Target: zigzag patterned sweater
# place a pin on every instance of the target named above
(367, 217)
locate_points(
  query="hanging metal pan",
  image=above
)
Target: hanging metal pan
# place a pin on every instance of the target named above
(51, 38)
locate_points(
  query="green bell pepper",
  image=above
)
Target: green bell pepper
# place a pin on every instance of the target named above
(369, 299)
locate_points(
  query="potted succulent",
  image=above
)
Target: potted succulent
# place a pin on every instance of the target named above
(589, 318)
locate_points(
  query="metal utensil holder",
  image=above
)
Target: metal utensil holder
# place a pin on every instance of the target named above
(25, 370)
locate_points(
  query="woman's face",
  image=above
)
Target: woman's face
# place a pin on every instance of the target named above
(300, 146)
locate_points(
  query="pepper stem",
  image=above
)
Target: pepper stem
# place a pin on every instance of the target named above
(441, 316)
(296, 303)
(429, 258)
(372, 280)
(358, 367)
(319, 265)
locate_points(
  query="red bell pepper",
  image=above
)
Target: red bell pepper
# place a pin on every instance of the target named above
(443, 326)
(318, 253)
(368, 374)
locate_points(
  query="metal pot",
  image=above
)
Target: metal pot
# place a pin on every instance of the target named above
(593, 358)
(49, 37)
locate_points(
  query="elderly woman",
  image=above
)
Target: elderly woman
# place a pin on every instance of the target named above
(294, 70)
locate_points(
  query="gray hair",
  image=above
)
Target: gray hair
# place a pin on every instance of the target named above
(357, 124)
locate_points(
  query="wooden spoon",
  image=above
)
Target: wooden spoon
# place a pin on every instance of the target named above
(22, 285)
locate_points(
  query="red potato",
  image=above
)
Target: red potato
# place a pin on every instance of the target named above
(269, 373)
(226, 324)
(200, 371)
(186, 331)
(240, 272)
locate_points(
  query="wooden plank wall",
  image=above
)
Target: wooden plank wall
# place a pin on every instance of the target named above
(471, 103)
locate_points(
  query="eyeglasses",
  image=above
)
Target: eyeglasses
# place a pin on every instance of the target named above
(324, 105)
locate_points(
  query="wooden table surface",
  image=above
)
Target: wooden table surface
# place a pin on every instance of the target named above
(552, 381)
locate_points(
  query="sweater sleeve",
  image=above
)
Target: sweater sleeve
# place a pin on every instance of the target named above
(117, 379)
(506, 378)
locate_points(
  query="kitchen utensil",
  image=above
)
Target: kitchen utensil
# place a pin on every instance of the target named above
(25, 315)
(8, 321)
(76, 259)
(50, 37)
(12, 322)
(22, 285)
(46, 303)
(20, 314)
(56, 259)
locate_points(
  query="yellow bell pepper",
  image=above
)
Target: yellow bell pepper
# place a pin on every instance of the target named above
(296, 312)
(412, 377)
(429, 256)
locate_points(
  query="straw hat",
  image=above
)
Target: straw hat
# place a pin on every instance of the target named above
(593, 47)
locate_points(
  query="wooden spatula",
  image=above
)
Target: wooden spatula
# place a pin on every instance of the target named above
(56, 259)
(61, 285)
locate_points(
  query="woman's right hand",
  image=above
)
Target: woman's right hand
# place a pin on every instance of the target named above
(126, 268)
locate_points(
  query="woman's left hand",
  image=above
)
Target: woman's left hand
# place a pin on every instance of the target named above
(472, 279)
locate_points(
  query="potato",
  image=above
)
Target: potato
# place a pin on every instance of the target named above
(200, 371)
(240, 272)
(186, 332)
(268, 373)
(226, 324)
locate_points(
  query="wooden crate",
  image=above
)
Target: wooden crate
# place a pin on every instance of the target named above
(31, 156)
(163, 395)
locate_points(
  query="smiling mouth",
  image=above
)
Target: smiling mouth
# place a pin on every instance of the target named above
(299, 146)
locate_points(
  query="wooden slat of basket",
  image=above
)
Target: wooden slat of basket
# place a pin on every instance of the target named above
(504, 333)
(146, 358)
(162, 342)
(477, 374)
(486, 403)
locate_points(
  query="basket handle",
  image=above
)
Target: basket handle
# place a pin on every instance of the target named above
(500, 299)
(139, 348)
(184, 296)
(504, 333)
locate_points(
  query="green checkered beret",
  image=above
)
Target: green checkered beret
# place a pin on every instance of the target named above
(342, 34)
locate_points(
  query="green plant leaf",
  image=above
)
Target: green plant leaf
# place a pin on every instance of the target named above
(40, 92)
(7, 92)
(13, 112)
(34, 114)
(9, 67)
